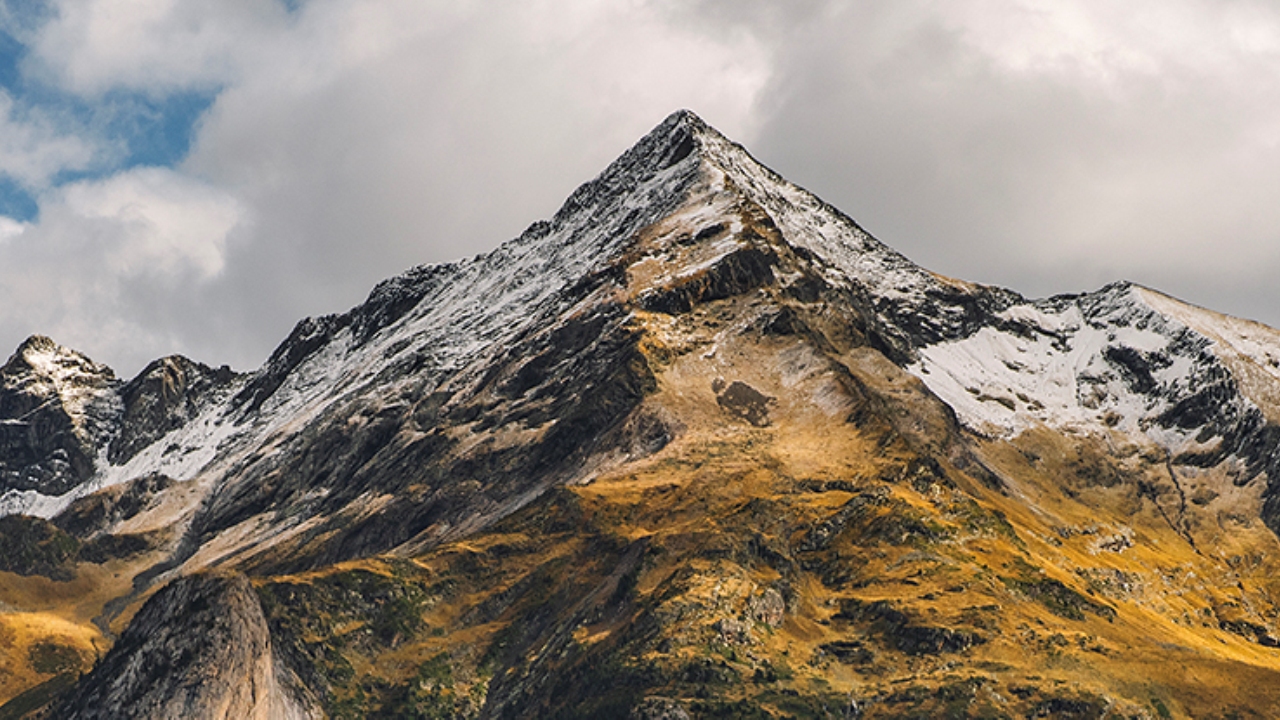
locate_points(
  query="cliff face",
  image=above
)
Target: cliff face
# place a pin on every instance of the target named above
(199, 648)
(698, 446)
(58, 407)
(166, 395)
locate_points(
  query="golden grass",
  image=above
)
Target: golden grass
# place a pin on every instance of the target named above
(36, 646)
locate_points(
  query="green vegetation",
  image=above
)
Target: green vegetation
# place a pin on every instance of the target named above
(322, 624)
(51, 658)
(38, 696)
(32, 546)
(1058, 598)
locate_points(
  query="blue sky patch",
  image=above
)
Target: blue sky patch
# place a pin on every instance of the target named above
(135, 129)
(145, 131)
(11, 54)
(16, 202)
(156, 131)
(131, 128)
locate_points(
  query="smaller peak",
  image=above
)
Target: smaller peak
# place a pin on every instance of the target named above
(1117, 289)
(169, 362)
(31, 351)
(1113, 289)
(43, 355)
(167, 365)
(38, 344)
(181, 365)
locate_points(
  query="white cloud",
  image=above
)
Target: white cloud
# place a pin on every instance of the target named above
(151, 221)
(108, 257)
(10, 228)
(33, 150)
(1046, 146)
(92, 46)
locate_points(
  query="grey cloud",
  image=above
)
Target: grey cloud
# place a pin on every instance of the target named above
(111, 260)
(364, 139)
(1044, 179)
(1047, 148)
(439, 148)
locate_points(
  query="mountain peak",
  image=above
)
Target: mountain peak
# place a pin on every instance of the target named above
(44, 357)
(687, 118)
(32, 351)
(696, 438)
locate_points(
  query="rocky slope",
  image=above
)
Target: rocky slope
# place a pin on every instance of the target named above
(697, 446)
(207, 637)
(58, 408)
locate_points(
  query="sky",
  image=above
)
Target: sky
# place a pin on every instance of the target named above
(195, 176)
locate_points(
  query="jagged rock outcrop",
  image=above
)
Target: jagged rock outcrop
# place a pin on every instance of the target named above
(199, 648)
(57, 408)
(166, 395)
(68, 426)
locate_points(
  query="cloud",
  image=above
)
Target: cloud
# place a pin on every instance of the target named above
(9, 229)
(1045, 146)
(94, 46)
(150, 222)
(362, 139)
(108, 257)
(33, 149)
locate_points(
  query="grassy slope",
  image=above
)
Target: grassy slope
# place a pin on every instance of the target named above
(48, 631)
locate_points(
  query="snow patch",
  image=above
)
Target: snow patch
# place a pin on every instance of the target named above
(1118, 359)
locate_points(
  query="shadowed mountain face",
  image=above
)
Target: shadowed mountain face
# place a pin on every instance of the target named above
(58, 409)
(697, 446)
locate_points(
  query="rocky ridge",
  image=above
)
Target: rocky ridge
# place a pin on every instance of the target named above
(207, 637)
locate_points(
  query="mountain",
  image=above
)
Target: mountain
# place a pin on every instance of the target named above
(697, 446)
